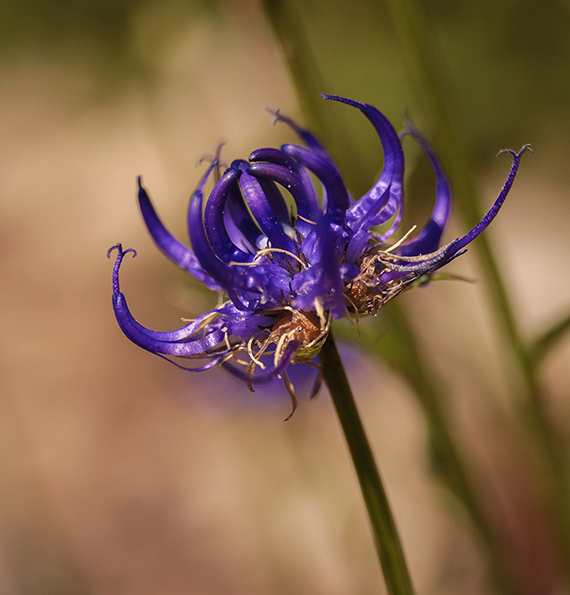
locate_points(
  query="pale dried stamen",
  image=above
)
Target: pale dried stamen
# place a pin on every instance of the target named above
(402, 240)
(306, 220)
(356, 314)
(261, 253)
(227, 339)
(320, 313)
(279, 349)
(252, 356)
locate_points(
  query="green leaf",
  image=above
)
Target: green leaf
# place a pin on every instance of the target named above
(548, 340)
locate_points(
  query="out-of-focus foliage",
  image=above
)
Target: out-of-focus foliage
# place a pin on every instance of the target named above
(112, 40)
(507, 61)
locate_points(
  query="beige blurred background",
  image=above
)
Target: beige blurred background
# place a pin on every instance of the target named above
(120, 474)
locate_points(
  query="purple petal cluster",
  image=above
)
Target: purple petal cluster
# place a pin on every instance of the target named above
(288, 249)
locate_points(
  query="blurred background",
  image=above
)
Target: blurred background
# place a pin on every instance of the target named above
(120, 474)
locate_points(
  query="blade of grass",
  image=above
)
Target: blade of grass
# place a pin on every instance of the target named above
(548, 340)
(427, 71)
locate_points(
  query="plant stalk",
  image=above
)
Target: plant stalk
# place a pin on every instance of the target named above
(386, 538)
(411, 25)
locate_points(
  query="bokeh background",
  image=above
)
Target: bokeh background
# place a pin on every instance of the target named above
(120, 474)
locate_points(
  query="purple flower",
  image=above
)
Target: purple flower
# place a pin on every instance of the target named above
(284, 267)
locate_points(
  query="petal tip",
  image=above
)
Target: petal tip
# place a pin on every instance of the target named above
(120, 252)
(516, 154)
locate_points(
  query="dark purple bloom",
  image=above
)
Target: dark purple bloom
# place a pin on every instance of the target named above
(285, 267)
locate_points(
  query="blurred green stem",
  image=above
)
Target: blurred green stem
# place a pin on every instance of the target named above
(548, 340)
(412, 26)
(403, 353)
(386, 537)
(398, 347)
(287, 26)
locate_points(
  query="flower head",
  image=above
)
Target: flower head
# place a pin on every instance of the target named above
(285, 268)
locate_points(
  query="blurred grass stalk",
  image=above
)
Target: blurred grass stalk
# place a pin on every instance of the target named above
(404, 353)
(411, 25)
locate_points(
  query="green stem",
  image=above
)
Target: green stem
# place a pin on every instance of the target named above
(410, 22)
(287, 25)
(446, 459)
(400, 350)
(427, 71)
(386, 537)
(549, 339)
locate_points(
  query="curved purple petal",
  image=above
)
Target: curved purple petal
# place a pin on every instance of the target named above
(198, 345)
(239, 224)
(265, 208)
(492, 212)
(391, 178)
(268, 208)
(307, 205)
(392, 203)
(273, 156)
(337, 201)
(429, 238)
(276, 203)
(229, 278)
(182, 342)
(395, 225)
(214, 222)
(248, 287)
(168, 244)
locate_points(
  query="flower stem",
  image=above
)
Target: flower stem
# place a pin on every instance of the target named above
(384, 529)
(410, 23)
(399, 348)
